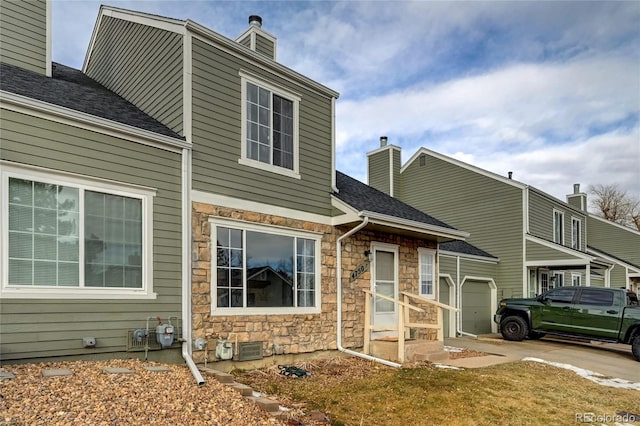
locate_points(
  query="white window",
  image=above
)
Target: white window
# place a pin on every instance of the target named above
(558, 227)
(427, 272)
(576, 230)
(576, 280)
(67, 237)
(258, 269)
(269, 127)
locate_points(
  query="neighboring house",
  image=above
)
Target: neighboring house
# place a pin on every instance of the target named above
(91, 205)
(540, 241)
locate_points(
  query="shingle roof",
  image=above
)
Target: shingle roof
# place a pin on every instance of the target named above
(612, 256)
(362, 197)
(464, 247)
(72, 89)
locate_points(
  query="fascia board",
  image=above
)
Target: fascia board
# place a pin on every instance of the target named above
(613, 260)
(464, 165)
(60, 114)
(559, 248)
(383, 148)
(351, 215)
(246, 54)
(448, 253)
(411, 225)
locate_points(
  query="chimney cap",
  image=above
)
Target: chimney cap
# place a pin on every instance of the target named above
(255, 20)
(576, 188)
(383, 141)
(510, 175)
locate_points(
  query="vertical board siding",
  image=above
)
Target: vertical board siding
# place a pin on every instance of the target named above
(490, 210)
(34, 328)
(143, 65)
(23, 34)
(379, 172)
(217, 133)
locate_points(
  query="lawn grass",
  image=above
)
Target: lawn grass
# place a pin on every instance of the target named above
(352, 391)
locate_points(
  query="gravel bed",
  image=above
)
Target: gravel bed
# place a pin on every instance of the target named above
(92, 397)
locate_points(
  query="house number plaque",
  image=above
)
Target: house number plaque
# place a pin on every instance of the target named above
(361, 269)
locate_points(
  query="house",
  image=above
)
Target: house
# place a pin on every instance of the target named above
(539, 242)
(91, 205)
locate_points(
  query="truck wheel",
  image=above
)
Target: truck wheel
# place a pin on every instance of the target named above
(514, 328)
(635, 347)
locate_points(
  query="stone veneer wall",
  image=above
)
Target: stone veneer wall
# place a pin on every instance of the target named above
(304, 332)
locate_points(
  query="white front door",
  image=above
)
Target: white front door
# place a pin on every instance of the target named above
(385, 282)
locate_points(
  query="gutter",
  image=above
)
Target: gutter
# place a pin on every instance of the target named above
(186, 267)
(459, 304)
(364, 223)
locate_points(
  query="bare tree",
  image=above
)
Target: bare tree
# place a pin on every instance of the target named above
(615, 205)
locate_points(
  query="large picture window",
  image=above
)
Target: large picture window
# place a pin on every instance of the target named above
(64, 237)
(259, 269)
(269, 127)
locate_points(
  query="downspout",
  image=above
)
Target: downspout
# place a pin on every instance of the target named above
(459, 303)
(186, 266)
(364, 223)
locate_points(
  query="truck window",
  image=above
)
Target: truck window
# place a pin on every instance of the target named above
(560, 295)
(596, 297)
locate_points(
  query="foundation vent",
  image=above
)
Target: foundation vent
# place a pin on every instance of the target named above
(249, 350)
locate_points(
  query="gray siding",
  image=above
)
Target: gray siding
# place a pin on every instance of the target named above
(379, 172)
(541, 208)
(23, 34)
(143, 65)
(217, 138)
(615, 240)
(265, 46)
(52, 327)
(488, 209)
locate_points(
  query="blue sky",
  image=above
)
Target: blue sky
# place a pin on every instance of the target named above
(548, 90)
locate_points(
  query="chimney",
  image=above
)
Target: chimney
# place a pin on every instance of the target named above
(577, 199)
(255, 20)
(257, 39)
(383, 167)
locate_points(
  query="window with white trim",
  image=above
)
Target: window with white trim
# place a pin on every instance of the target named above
(558, 279)
(576, 230)
(269, 126)
(427, 272)
(558, 227)
(264, 269)
(576, 280)
(68, 237)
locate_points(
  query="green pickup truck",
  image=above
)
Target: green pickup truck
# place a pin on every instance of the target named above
(604, 314)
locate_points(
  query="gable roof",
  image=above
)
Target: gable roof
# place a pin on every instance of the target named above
(385, 210)
(70, 88)
(463, 247)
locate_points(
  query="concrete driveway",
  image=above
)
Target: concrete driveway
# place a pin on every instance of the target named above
(611, 360)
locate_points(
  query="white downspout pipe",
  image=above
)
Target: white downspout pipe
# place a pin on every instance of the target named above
(339, 300)
(186, 266)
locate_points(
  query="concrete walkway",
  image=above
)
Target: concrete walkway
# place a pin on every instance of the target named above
(612, 360)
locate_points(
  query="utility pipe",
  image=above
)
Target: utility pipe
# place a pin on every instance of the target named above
(459, 303)
(364, 223)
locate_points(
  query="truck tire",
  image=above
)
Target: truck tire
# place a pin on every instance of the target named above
(635, 347)
(514, 328)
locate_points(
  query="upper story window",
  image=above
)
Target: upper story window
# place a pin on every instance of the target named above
(66, 238)
(427, 273)
(258, 269)
(576, 232)
(558, 227)
(269, 127)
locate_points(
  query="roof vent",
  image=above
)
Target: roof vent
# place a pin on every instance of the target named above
(383, 141)
(510, 175)
(255, 20)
